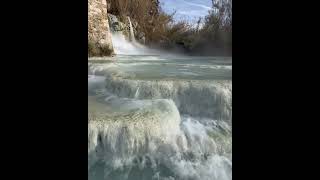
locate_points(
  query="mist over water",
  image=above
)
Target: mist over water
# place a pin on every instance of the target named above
(154, 116)
(123, 46)
(130, 46)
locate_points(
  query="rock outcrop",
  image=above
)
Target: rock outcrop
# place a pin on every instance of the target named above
(99, 36)
(115, 24)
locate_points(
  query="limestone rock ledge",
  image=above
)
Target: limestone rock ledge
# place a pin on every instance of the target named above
(99, 35)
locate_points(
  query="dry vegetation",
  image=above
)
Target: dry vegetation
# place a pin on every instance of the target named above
(215, 37)
(147, 13)
(95, 49)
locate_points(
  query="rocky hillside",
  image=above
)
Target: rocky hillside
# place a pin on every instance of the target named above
(99, 36)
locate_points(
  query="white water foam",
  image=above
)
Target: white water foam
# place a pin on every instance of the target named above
(208, 99)
(136, 131)
(147, 134)
(122, 46)
(132, 38)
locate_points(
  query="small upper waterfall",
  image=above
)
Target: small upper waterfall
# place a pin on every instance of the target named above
(123, 39)
(124, 47)
(131, 35)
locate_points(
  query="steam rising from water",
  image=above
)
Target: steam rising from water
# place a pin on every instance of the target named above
(122, 46)
(154, 118)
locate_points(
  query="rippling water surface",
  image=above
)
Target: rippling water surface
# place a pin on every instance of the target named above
(160, 117)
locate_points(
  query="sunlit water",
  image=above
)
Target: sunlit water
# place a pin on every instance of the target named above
(160, 117)
(154, 67)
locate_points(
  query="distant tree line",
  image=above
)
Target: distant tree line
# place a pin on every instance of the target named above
(211, 36)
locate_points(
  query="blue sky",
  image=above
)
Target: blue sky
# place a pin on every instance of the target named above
(189, 10)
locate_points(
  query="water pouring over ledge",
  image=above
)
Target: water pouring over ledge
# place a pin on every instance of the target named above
(124, 47)
(159, 117)
(130, 46)
(131, 35)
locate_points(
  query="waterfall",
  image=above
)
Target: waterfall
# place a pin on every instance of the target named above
(121, 44)
(136, 95)
(132, 38)
(123, 47)
(151, 128)
(158, 116)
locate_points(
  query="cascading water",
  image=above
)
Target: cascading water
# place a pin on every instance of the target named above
(159, 117)
(122, 46)
(137, 93)
(132, 38)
